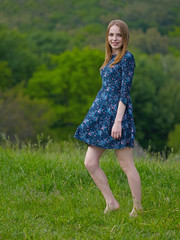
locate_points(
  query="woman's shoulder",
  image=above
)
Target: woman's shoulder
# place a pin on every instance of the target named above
(128, 58)
(128, 55)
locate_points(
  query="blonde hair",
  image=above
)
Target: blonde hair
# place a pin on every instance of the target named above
(125, 38)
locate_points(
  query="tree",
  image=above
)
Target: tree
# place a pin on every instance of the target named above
(174, 139)
(70, 86)
(74, 80)
(14, 50)
(149, 42)
(43, 42)
(156, 100)
(24, 117)
(5, 76)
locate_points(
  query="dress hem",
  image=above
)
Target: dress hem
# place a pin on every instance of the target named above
(90, 144)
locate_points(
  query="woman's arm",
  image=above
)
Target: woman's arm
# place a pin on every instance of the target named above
(116, 129)
(128, 66)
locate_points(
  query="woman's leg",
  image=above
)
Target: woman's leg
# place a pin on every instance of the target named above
(92, 164)
(125, 158)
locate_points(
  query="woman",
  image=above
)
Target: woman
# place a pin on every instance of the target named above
(109, 123)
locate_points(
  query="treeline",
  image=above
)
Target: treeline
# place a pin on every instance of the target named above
(49, 76)
(56, 25)
(72, 14)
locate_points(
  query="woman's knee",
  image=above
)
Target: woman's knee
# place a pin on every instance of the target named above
(125, 159)
(128, 168)
(91, 164)
(92, 158)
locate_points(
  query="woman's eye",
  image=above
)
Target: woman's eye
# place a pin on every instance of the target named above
(119, 35)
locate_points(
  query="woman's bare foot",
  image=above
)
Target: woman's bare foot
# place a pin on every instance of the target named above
(135, 212)
(113, 206)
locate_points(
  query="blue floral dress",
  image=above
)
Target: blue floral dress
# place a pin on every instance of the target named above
(116, 84)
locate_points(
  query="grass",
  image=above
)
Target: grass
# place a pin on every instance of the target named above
(46, 193)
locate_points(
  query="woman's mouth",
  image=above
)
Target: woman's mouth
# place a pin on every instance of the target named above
(115, 43)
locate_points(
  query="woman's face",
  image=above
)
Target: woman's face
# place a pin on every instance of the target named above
(115, 39)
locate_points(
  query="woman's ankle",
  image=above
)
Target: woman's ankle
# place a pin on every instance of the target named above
(137, 205)
(113, 206)
(112, 203)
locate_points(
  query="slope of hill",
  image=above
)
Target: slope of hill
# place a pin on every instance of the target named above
(46, 193)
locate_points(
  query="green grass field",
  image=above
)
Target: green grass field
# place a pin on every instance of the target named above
(48, 194)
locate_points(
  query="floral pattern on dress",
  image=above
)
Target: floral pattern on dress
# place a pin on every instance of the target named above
(116, 85)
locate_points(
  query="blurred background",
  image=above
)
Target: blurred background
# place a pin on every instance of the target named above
(50, 55)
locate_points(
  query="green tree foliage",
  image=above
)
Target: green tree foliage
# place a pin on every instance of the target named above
(58, 25)
(174, 139)
(45, 42)
(156, 99)
(64, 15)
(146, 84)
(74, 81)
(5, 76)
(157, 26)
(147, 14)
(175, 32)
(71, 85)
(23, 117)
(70, 81)
(174, 39)
(14, 50)
(149, 42)
(92, 35)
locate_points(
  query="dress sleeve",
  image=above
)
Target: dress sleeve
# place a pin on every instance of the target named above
(128, 66)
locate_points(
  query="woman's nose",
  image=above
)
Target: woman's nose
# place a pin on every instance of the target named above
(114, 37)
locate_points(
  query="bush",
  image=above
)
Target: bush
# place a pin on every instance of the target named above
(174, 139)
(23, 117)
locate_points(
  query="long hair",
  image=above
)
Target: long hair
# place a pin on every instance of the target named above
(125, 39)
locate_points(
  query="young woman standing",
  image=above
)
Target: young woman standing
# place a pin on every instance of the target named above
(109, 123)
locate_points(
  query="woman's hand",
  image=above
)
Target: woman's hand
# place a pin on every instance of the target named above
(116, 130)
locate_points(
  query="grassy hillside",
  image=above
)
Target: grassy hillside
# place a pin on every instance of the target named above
(48, 194)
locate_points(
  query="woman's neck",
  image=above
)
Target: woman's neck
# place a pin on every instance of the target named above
(115, 52)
